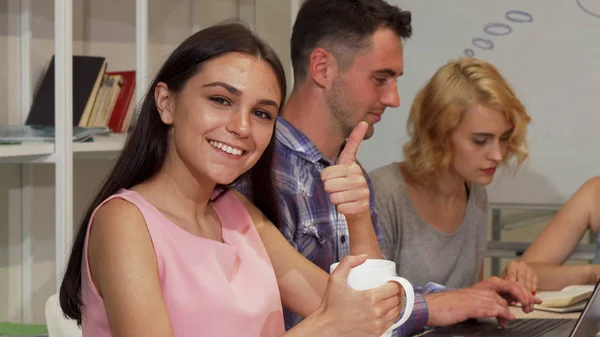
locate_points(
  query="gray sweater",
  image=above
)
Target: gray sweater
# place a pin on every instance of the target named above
(421, 252)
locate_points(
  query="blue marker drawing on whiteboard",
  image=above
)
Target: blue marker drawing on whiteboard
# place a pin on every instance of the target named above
(518, 16)
(483, 43)
(500, 29)
(591, 7)
(497, 29)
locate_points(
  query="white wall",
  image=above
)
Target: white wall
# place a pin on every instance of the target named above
(100, 27)
(544, 50)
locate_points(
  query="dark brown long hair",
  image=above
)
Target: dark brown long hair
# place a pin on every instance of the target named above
(145, 149)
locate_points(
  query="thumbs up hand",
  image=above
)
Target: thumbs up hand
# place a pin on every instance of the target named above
(345, 181)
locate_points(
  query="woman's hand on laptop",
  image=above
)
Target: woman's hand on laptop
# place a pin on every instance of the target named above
(455, 306)
(511, 291)
(486, 299)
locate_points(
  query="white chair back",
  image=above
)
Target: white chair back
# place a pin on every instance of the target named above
(59, 325)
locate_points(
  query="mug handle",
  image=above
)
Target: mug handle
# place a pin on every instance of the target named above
(410, 299)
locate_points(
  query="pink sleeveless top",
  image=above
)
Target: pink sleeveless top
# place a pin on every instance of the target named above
(201, 297)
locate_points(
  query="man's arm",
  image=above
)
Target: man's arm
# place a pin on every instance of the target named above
(377, 228)
(419, 317)
(364, 237)
(346, 183)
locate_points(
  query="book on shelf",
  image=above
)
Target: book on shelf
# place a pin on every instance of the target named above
(87, 79)
(15, 134)
(101, 98)
(123, 109)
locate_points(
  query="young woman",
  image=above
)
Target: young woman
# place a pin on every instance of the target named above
(168, 249)
(541, 266)
(464, 124)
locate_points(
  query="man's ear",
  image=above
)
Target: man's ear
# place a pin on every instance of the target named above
(164, 102)
(322, 67)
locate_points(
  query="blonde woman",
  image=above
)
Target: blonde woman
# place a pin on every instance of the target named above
(464, 124)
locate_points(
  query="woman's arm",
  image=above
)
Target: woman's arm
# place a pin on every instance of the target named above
(556, 277)
(558, 240)
(301, 283)
(124, 269)
(329, 305)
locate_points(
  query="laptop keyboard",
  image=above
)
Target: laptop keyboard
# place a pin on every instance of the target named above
(523, 327)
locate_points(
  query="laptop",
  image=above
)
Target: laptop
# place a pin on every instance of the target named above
(587, 325)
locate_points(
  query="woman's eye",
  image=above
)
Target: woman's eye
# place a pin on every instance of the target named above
(220, 100)
(263, 114)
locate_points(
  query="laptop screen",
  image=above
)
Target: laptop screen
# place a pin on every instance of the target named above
(588, 323)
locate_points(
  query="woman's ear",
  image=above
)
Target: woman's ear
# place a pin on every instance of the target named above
(164, 102)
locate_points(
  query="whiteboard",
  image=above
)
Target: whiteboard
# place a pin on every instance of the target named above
(549, 51)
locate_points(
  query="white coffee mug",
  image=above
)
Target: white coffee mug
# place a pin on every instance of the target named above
(374, 273)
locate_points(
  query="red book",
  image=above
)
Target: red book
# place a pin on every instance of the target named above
(124, 100)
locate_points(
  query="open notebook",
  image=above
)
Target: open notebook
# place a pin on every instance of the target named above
(571, 298)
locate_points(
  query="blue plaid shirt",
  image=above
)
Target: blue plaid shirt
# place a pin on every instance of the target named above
(311, 223)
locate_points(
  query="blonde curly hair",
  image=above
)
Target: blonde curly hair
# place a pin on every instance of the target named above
(438, 109)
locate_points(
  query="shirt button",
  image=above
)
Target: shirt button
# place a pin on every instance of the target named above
(343, 239)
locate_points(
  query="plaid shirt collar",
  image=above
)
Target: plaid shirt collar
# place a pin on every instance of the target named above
(296, 141)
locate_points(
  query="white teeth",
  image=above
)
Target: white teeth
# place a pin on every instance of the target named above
(226, 148)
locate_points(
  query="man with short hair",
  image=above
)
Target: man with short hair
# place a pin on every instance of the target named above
(346, 56)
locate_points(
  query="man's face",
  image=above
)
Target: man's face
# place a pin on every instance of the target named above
(368, 86)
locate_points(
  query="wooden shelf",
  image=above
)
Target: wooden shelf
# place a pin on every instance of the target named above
(34, 152)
